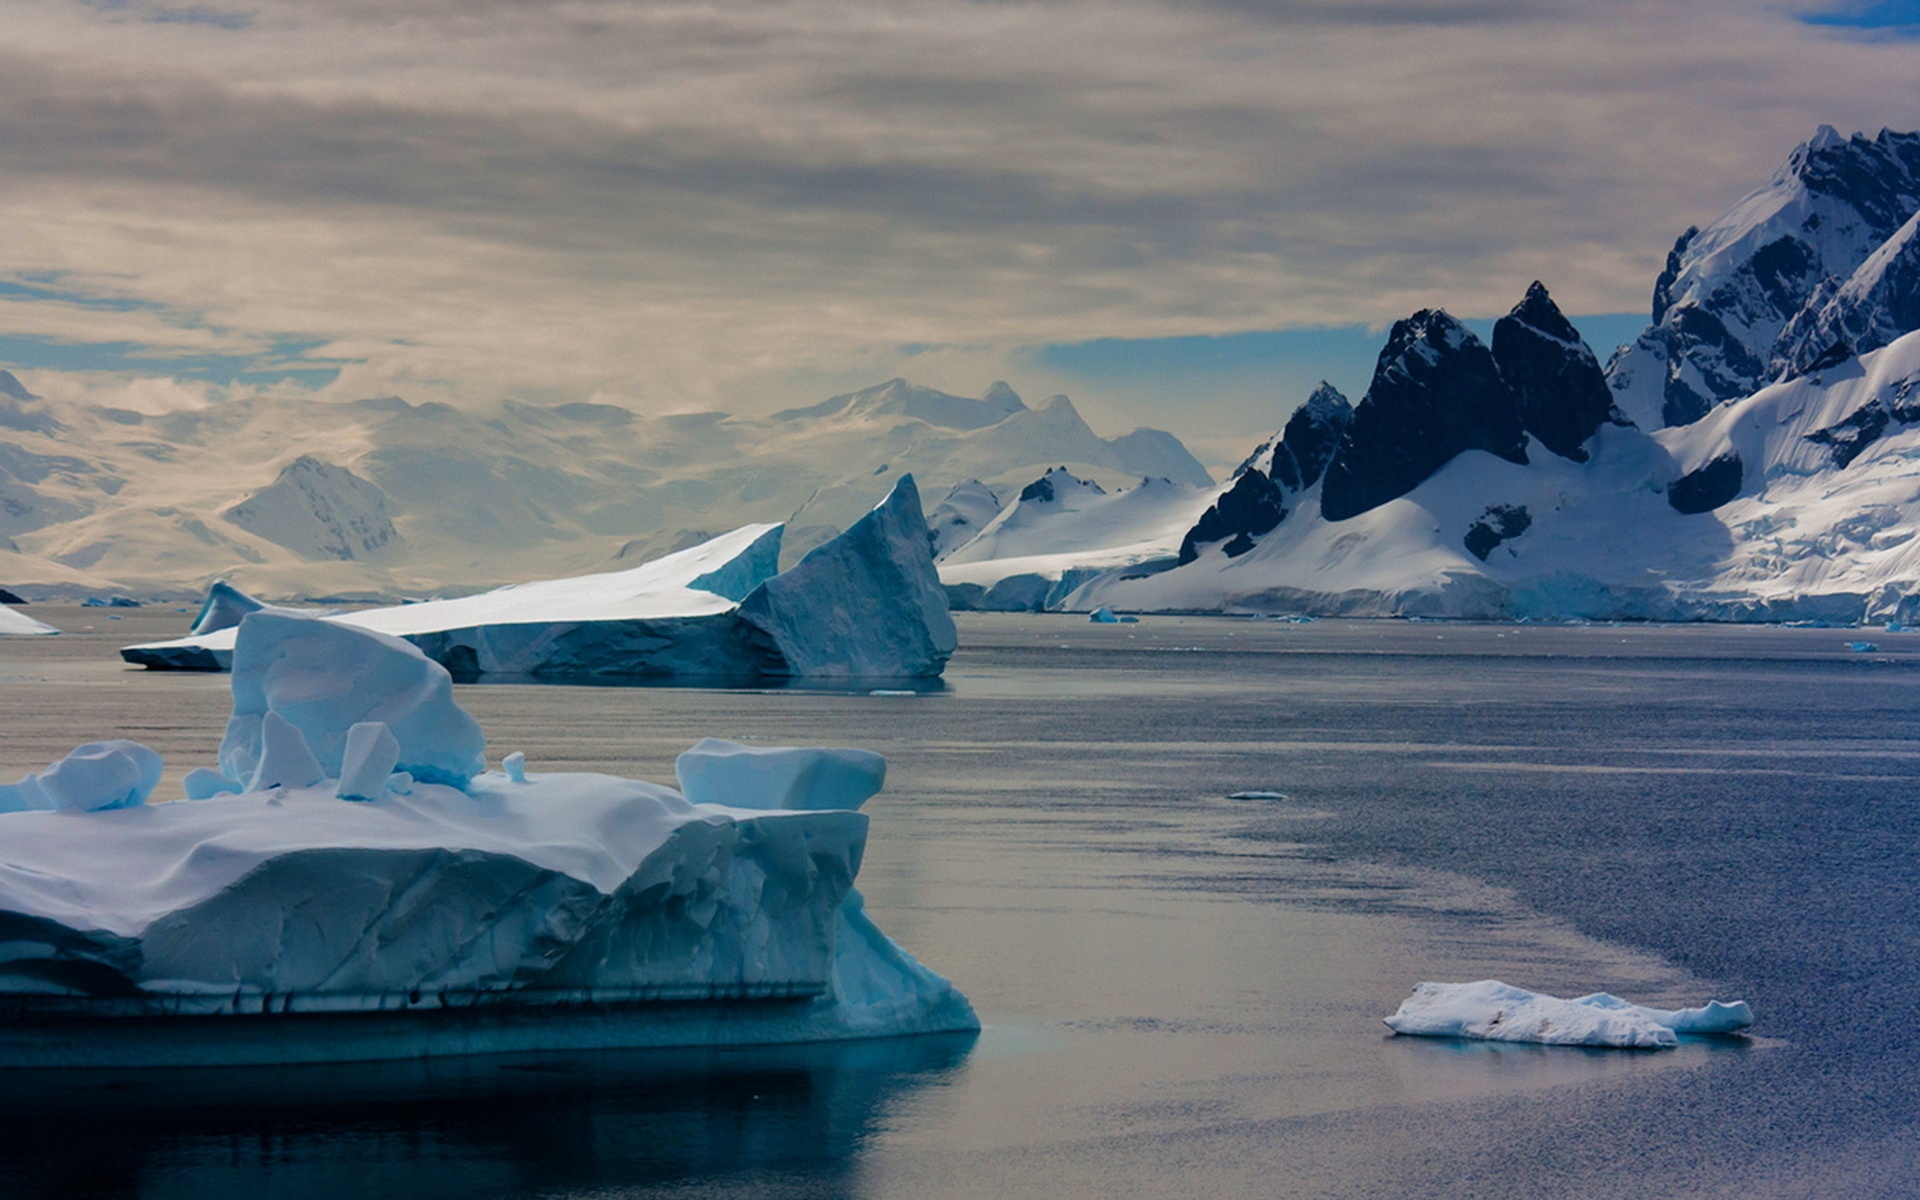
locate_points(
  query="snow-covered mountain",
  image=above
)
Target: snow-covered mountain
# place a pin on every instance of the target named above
(289, 496)
(1798, 502)
(1750, 457)
(1813, 267)
(1062, 530)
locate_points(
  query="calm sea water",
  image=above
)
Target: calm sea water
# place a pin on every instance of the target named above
(1182, 991)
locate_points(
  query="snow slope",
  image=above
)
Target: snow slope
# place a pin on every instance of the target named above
(1062, 529)
(628, 913)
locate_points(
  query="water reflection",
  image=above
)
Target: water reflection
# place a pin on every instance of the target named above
(498, 1126)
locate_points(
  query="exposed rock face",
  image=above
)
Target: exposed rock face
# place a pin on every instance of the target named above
(1436, 392)
(1500, 523)
(1740, 301)
(1256, 503)
(1876, 304)
(1312, 434)
(1707, 486)
(1868, 423)
(320, 511)
(1251, 507)
(1556, 380)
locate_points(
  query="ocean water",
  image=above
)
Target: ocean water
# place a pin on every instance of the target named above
(1181, 990)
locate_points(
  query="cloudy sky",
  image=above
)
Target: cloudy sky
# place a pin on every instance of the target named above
(1180, 211)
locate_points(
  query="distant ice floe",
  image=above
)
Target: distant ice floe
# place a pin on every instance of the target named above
(352, 882)
(867, 604)
(1493, 1011)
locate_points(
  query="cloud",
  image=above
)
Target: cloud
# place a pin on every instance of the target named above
(707, 204)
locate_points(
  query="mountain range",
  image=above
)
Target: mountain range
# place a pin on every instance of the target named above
(289, 496)
(1747, 457)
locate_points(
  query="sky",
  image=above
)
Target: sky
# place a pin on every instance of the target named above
(1181, 212)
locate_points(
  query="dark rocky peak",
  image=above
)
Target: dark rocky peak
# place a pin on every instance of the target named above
(1878, 303)
(1557, 382)
(1254, 505)
(1312, 434)
(1436, 392)
(1058, 482)
(1729, 309)
(1878, 177)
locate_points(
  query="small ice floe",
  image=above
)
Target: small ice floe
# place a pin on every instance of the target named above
(1863, 647)
(893, 692)
(1494, 1011)
(1256, 795)
(1104, 616)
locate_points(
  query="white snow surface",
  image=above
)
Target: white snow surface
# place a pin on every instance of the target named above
(545, 890)
(1082, 529)
(1493, 1011)
(1805, 538)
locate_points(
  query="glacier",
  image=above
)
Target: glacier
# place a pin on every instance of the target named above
(371, 891)
(865, 604)
(1489, 1010)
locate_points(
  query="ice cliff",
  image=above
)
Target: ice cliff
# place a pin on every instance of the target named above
(867, 603)
(354, 883)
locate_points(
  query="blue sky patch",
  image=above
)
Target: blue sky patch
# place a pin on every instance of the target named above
(1874, 14)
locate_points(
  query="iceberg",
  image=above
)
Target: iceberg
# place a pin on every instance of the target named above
(867, 603)
(1493, 1011)
(20, 623)
(352, 883)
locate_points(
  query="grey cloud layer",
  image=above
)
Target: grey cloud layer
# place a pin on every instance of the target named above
(662, 199)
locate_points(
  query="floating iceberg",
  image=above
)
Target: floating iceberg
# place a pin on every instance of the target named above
(1493, 1011)
(19, 622)
(867, 604)
(352, 883)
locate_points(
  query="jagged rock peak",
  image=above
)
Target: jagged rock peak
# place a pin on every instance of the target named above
(1556, 380)
(1727, 308)
(320, 511)
(1311, 436)
(1254, 505)
(1056, 482)
(1436, 392)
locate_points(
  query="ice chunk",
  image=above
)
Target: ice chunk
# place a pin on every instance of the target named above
(21, 623)
(92, 778)
(323, 678)
(515, 765)
(1104, 616)
(605, 912)
(1256, 795)
(1863, 647)
(203, 784)
(716, 771)
(367, 762)
(868, 603)
(285, 759)
(224, 608)
(1495, 1011)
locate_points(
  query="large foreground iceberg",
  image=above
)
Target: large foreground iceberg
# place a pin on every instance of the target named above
(867, 604)
(1493, 1011)
(354, 884)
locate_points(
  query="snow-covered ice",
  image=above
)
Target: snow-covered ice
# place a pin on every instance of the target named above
(867, 603)
(372, 866)
(20, 623)
(1493, 1011)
